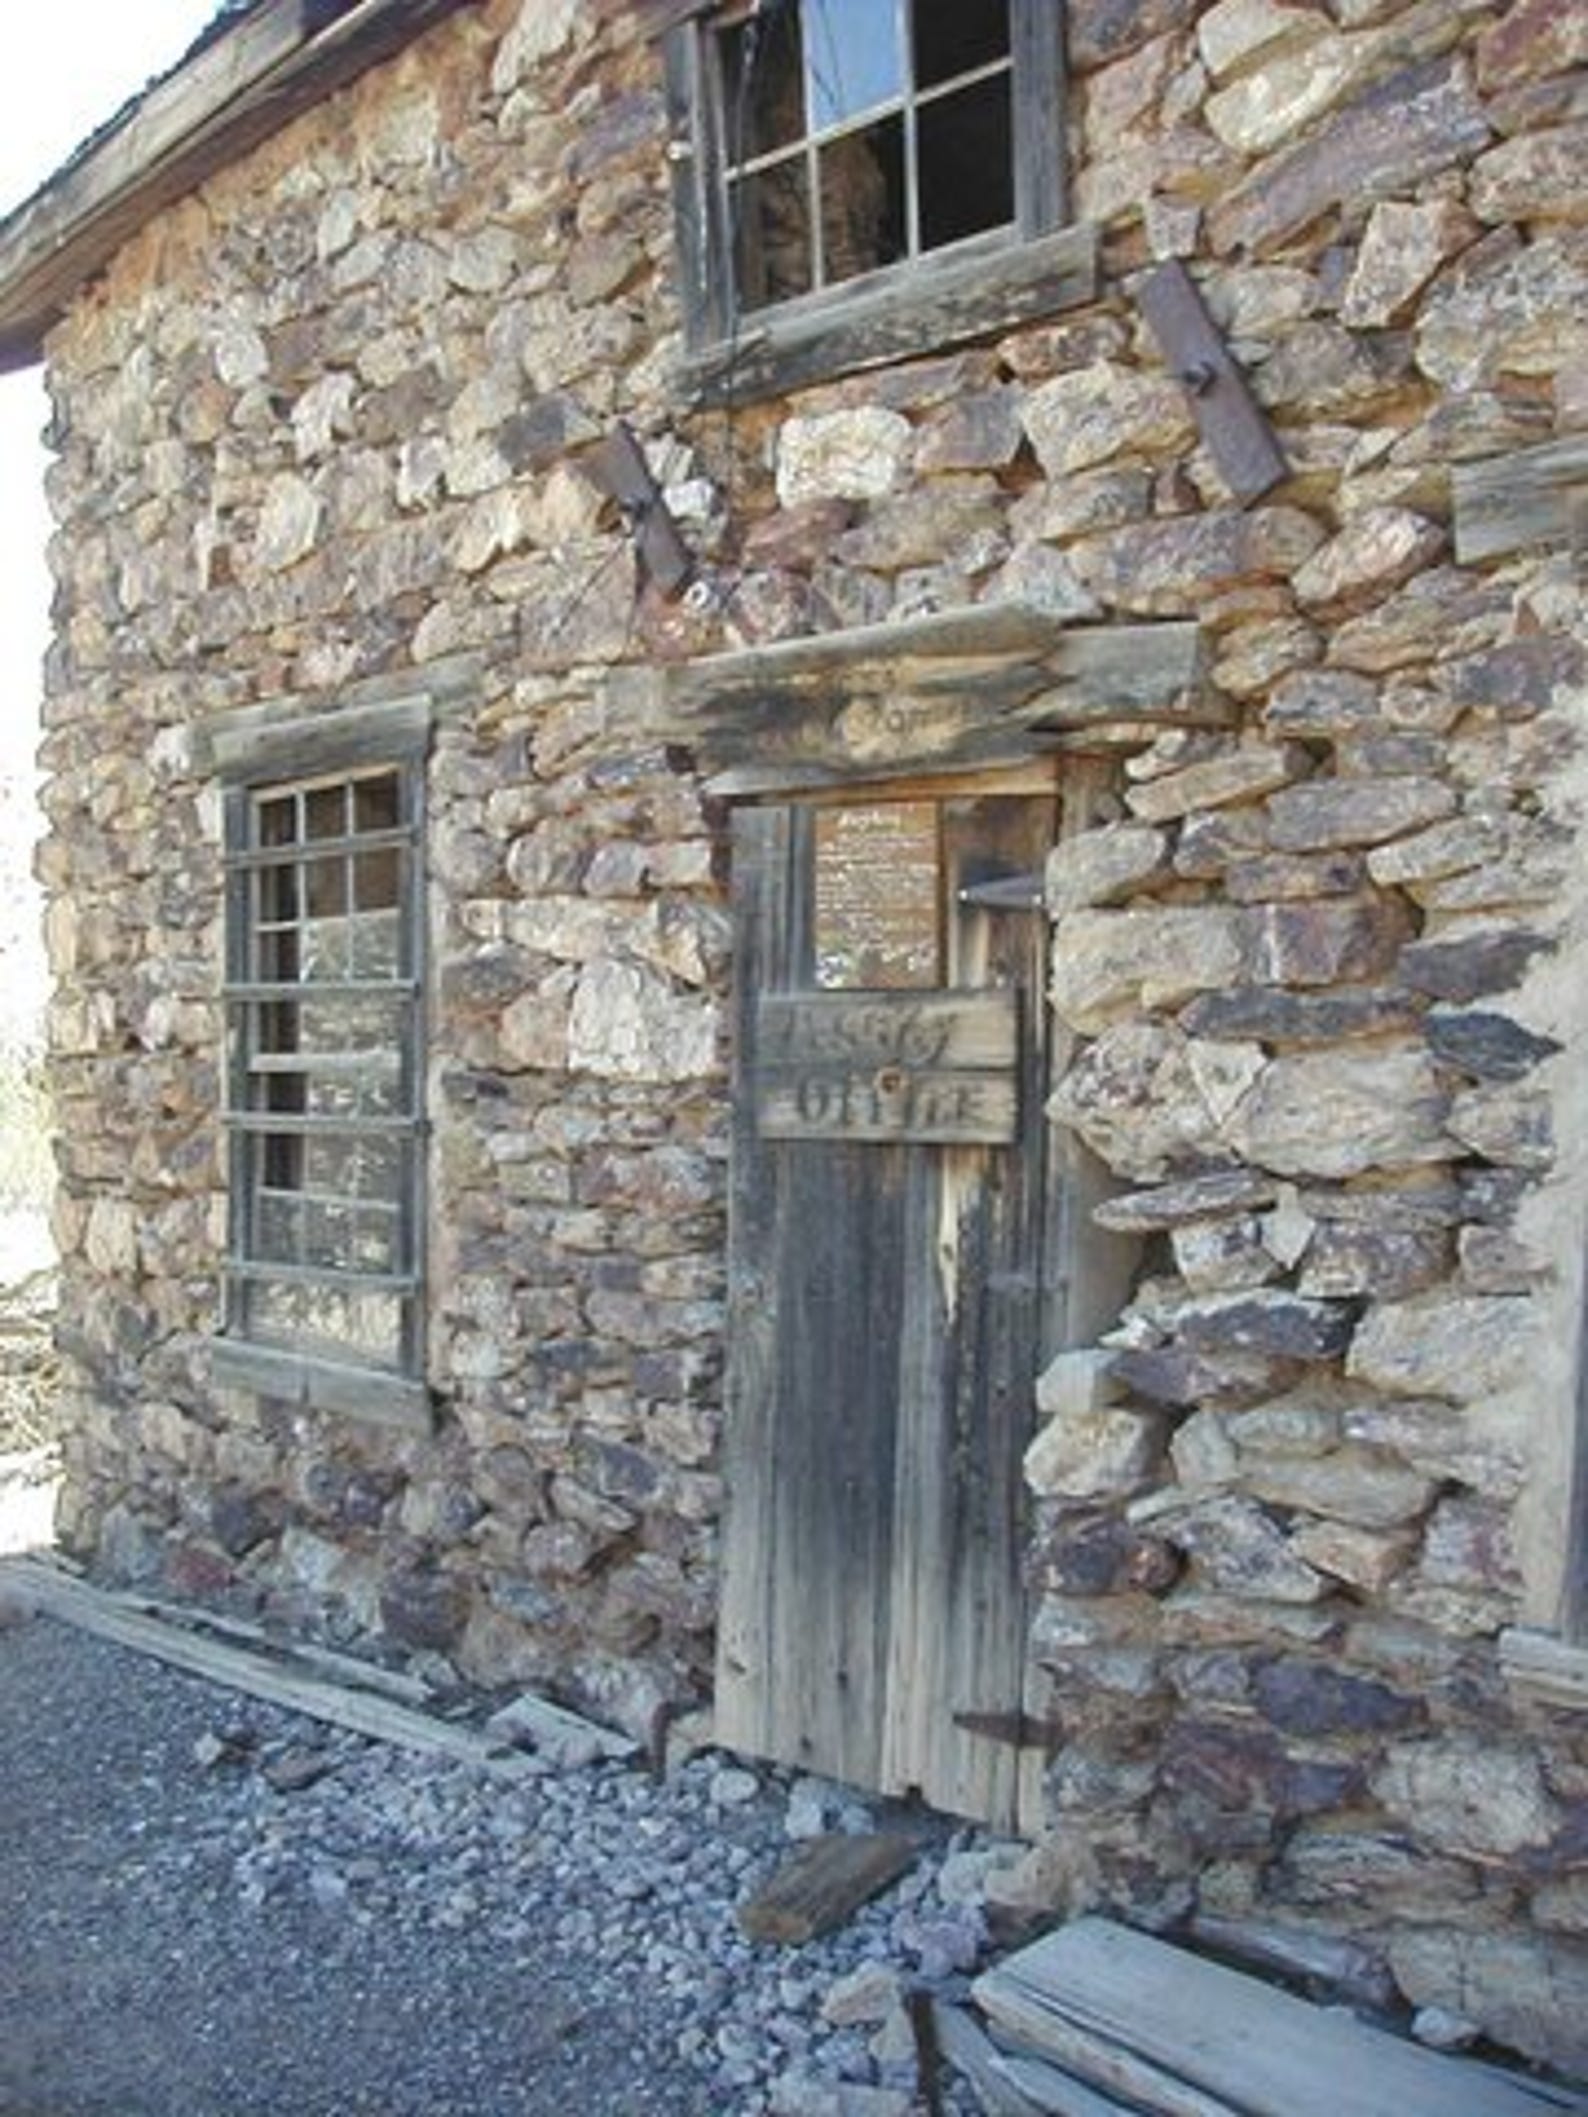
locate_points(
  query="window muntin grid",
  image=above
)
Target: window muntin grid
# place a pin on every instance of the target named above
(325, 1110)
(862, 133)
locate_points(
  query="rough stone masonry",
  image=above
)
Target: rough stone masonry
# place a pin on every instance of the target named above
(1319, 970)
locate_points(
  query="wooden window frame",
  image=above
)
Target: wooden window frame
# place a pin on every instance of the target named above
(969, 289)
(296, 759)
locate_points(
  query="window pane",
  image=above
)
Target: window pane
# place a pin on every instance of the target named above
(376, 805)
(763, 85)
(325, 888)
(773, 234)
(278, 1229)
(277, 957)
(967, 173)
(277, 889)
(325, 812)
(852, 56)
(954, 36)
(375, 879)
(277, 821)
(861, 178)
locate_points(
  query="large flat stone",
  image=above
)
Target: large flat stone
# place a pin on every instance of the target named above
(1402, 130)
(1460, 1346)
(1341, 1113)
(1527, 1991)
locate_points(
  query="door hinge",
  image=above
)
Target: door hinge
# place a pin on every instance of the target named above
(1017, 1730)
(1007, 893)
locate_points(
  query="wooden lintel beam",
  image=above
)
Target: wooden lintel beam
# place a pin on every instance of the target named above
(984, 688)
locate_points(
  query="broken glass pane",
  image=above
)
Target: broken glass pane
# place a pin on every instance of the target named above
(853, 59)
(953, 37)
(772, 233)
(966, 179)
(862, 192)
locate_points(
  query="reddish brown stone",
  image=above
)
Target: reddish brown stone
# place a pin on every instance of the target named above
(798, 537)
(1534, 37)
(1101, 1555)
(1097, 31)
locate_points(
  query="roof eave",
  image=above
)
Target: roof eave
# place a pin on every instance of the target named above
(276, 62)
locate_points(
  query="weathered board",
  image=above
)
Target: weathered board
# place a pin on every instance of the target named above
(889, 1066)
(821, 1885)
(885, 1317)
(1533, 496)
(980, 689)
(1236, 2043)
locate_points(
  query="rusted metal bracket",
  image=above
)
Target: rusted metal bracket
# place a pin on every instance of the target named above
(616, 466)
(1016, 1730)
(1230, 420)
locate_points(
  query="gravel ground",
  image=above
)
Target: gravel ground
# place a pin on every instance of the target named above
(214, 1908)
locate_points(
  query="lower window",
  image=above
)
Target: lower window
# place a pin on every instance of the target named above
(325, 1117)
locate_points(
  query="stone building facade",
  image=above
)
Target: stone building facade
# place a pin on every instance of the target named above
(1307, 1628)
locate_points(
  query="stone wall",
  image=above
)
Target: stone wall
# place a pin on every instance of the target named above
(1315, 971)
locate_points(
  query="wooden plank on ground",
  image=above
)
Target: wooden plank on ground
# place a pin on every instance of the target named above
(1106, 2063)
(1261, 2050)
(824, 1883)
(976, 2059)
(271, 1676)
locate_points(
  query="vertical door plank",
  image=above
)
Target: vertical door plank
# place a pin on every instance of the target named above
(973, 1310)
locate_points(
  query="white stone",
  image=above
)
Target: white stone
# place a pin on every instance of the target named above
(1107, 963)
(1265, 109)
(1479, 1799)
(1096, 412)
(240, 353)
(628, 1024)
(847, 455)
(1101, 1456)
(543, 27)
(1402, 248)
(322, 414)
(1235, 31)
(289, 524)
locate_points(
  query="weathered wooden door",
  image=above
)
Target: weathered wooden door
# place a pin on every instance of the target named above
(886, 1290)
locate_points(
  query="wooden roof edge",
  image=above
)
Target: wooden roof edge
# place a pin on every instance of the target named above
(231, 92)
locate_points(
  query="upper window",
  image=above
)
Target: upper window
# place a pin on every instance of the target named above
(325, 1116)
(860, 133)
(828, 151)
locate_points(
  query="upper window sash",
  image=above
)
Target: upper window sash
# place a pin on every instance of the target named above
(935, 296)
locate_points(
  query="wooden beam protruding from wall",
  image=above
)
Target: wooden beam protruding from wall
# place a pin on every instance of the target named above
(1532, 496)
(991, 686)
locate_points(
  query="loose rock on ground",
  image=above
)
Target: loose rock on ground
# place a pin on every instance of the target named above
(217, 1905)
